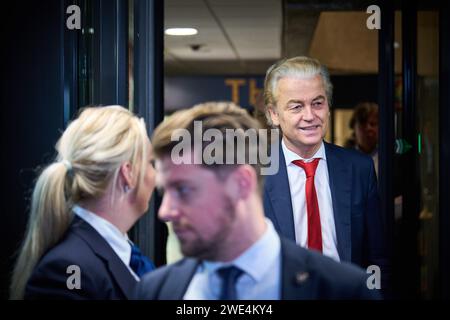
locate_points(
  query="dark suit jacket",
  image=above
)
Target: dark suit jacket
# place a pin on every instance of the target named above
(103, 274)
(304, 275)
(360, 231)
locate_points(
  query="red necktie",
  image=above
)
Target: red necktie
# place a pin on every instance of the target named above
(312, 206)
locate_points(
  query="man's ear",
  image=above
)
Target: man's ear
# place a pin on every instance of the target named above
(243, 182)
(274, 115)
(126, 174)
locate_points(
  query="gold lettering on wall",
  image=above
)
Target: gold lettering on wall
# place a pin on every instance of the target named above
(253, 92)
(235, 84)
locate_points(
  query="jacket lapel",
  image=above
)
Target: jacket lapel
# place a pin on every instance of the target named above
(340, 174)
(277, 187)
(178, 279)
(102, 249)
(296, 282)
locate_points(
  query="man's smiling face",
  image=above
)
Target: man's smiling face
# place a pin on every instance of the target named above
(302, 112)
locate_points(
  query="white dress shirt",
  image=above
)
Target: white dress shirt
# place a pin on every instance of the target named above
(261, 278)
(297, 183)
(118, 241)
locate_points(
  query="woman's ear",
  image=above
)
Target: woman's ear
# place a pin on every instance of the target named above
(126, 175)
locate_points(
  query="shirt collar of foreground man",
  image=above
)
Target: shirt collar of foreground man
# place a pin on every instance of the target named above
(257, 280)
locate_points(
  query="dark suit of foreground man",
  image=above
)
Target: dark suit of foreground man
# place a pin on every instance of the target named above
(233, 251)
(334, 208)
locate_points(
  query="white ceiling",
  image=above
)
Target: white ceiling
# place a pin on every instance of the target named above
(236, 33)
(245, 37)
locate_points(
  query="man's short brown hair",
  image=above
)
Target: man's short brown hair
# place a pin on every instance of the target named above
(213, 115)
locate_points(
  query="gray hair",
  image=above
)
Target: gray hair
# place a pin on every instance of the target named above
(299, 67)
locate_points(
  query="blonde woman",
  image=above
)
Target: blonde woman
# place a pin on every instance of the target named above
(83, 204)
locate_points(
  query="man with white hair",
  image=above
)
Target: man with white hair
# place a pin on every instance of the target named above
(232, 251)
(324, 197)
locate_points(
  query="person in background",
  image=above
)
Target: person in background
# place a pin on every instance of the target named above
(232, 251)
(364, 123)
(83, 204)
(324, 197)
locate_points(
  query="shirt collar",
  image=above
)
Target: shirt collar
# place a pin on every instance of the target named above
(290, 156)
(267, 249)
(118, 241)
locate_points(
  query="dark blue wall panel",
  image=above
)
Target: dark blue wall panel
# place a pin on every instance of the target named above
(32, 109)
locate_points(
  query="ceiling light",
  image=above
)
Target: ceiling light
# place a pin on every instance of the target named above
(181, 31)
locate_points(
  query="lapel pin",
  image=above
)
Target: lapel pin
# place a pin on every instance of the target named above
(301, 277)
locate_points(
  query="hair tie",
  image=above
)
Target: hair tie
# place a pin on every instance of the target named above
(68, 166)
